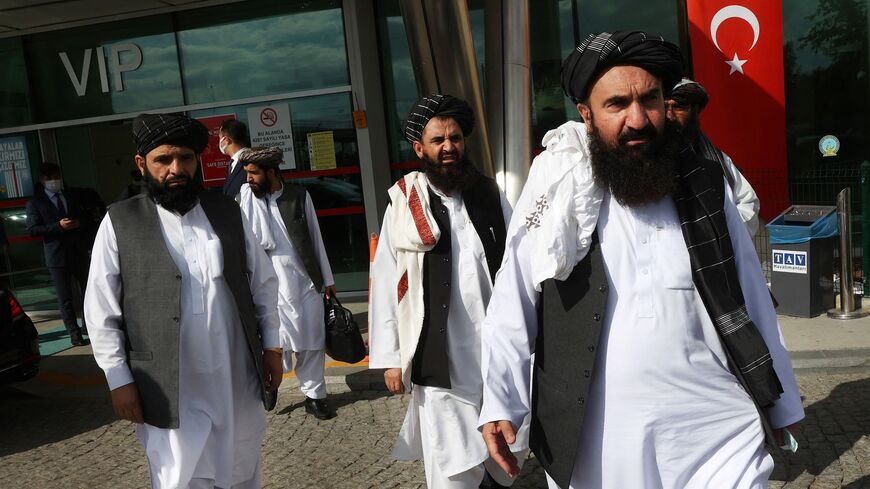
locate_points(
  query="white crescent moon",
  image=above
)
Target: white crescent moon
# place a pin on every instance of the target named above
(735, 12)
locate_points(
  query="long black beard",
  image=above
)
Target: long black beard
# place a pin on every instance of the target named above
(637, 176)
(456, 177)
(180, 198)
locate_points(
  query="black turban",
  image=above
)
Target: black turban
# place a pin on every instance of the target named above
(153, 130)
(689, 93)
(263, 157)
(437, 105)
(601, 51)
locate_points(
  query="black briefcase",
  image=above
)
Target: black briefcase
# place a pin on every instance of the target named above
(344, 340)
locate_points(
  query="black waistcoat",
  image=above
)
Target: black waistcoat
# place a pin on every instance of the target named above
(569, 326)
(430, 365)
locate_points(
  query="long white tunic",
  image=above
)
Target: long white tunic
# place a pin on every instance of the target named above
(222, 420)
(450, 415)
(300, 305)
(745, 198)
(663, 409)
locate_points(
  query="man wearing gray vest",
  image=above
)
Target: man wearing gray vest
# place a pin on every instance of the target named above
(182, 309)
(283, 220)
(628, 272)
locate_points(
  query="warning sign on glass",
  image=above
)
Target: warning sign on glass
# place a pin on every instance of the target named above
(271, 126)
(214, 163)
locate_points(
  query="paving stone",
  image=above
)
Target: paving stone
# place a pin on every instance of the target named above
(74, 442)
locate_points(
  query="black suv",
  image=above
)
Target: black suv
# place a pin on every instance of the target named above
(19, 341)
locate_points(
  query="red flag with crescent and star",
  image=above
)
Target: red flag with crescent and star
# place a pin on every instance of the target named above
(737, 55)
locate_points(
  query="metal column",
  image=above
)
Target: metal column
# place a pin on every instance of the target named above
(517, 99)
(442, 51)
(365, 79)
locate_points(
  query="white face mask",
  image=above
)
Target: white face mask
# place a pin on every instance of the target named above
(53, 185)
(222, 147)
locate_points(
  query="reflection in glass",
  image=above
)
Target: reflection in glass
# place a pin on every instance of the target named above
(14, 109)
(827, 87)
(289, 47)
(155, 83)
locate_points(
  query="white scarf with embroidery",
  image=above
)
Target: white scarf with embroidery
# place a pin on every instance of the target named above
(413, 232)
(558, 208)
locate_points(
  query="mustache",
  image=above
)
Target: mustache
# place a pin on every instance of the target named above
(649, 133)
(177, 178)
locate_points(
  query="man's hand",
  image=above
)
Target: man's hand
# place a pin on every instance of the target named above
(273, 369)
(330, 291)
(67, 224)
(498, 435)
(393, 379)
(125, 402)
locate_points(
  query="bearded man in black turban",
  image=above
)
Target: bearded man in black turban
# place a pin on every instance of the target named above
(182, 310)
(630, 275)
(170, 137)
(440, 247)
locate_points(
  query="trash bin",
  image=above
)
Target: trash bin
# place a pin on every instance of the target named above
(802, 242)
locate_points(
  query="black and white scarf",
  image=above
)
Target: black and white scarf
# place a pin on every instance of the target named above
(700, 206)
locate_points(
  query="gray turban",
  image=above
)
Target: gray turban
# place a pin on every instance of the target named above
(601, 51)
(690, 93)
(153, 130)
(437, 105)
(263, 157)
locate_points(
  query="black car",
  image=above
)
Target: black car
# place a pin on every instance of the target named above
(19, 341)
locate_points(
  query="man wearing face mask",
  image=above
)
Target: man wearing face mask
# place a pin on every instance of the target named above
(62, 217)
(233, 141)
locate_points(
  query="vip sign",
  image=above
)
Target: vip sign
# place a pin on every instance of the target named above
(790, 261)
(80, 81)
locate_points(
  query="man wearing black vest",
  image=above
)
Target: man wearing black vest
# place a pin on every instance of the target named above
(233, 141)
(182, 307)
(283, 220)
(658, 360)
(440, 246)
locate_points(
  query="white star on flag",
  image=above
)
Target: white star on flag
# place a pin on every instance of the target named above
(736, 64)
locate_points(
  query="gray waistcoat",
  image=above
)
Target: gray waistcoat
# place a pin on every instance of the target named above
(291, 203)
(151, 297)
(570, 316)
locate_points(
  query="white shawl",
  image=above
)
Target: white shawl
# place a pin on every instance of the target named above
(413, 232)
(257, 211)
(559, 204)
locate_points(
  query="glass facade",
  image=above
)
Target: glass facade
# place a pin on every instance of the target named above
(827, 85)
(105, 69)
(264, 48)
(213, 61)
(14, 99)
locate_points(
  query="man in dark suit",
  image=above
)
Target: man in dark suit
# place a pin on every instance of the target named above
(233, 141)
(66, 220)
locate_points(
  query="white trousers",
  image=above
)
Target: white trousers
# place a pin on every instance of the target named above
(309, 370)
(252, 483)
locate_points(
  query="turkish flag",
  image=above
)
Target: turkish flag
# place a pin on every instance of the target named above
(737, 55)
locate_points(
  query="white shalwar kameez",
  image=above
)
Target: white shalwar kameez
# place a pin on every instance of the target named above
(300, 305)
(663, 410)
(441, 424)
(221, 417)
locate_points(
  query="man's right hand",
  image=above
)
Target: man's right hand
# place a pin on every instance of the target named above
(67, 224)
(125, 401)
(498, 435)
(393, 379)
